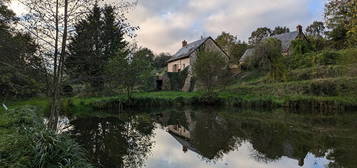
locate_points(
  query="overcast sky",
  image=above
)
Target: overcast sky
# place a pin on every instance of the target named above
(165, 23)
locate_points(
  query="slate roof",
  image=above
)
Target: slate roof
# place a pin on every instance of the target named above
(286, 39)
(188, 49)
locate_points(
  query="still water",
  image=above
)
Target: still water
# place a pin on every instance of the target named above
(217, 138)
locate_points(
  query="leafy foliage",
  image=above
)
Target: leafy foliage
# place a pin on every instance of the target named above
(269, 57)
(232, 46)
(316, 29)
(22, 70)
(160, 61)
(177, 79)
(280, 30)
(259, 35)
(209, 68)
(129, 71)
(341, 18)
(300, 46)
(326, 58)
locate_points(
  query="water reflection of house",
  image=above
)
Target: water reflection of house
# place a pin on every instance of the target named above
(179, 131)
(212, 136)
(208, 145)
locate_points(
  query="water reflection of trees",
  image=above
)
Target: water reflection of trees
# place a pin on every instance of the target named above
(113, 142)
(273, 135)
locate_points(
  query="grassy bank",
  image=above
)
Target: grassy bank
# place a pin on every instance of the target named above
(26, 142)
(233, 98)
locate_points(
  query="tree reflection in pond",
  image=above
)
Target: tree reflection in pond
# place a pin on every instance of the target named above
(113, 142)
(218, 136)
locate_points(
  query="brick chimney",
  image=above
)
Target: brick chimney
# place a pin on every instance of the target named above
(299, 29)
(184, 43)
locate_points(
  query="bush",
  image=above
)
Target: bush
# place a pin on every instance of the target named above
(327, 58)
(323, 88)
(348, 56)
(300, 46)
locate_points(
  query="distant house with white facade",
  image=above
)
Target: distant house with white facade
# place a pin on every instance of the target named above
(285, 38)
(186, 56)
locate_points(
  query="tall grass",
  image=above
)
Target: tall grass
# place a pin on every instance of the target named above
(26, 142)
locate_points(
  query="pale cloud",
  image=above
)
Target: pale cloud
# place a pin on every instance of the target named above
(165, 23)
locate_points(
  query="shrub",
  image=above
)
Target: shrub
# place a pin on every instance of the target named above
(323, 88)
(348, 56)
(327, 58)
(300, 46)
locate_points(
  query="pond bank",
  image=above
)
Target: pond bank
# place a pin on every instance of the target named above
(167, 99)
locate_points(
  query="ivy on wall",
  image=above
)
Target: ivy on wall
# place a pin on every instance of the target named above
(177, 79)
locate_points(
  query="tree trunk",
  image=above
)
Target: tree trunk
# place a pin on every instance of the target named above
(54, 104)
(59, 68)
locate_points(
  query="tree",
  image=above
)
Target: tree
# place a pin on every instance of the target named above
(226, 41)
(51, 23)
(232, 46)
(238, 51)
(147, 54)
(259, 35)
(341, 18)
(268, 52)
(128, 71)
(98, 37)
(160, 61)
(315, 34)
(280, 30)
(20, 68)
(316, 29)
(209, 68)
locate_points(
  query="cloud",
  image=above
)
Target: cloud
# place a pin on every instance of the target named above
(165, 23)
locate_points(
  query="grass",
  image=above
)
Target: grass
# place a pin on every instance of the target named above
(26, 142)
(41, 103)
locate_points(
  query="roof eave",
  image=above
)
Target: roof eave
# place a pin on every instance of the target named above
(178, 58)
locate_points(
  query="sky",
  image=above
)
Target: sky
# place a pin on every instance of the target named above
(164, 24)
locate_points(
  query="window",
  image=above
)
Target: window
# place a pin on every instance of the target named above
(184, 66)
(174, 69)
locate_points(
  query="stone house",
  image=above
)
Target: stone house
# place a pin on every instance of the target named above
(285, 38)
(187, 55)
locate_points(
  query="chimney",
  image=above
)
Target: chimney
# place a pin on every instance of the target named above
(184, 43)
(299, 29)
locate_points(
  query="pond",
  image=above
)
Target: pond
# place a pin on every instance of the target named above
(211, 137)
